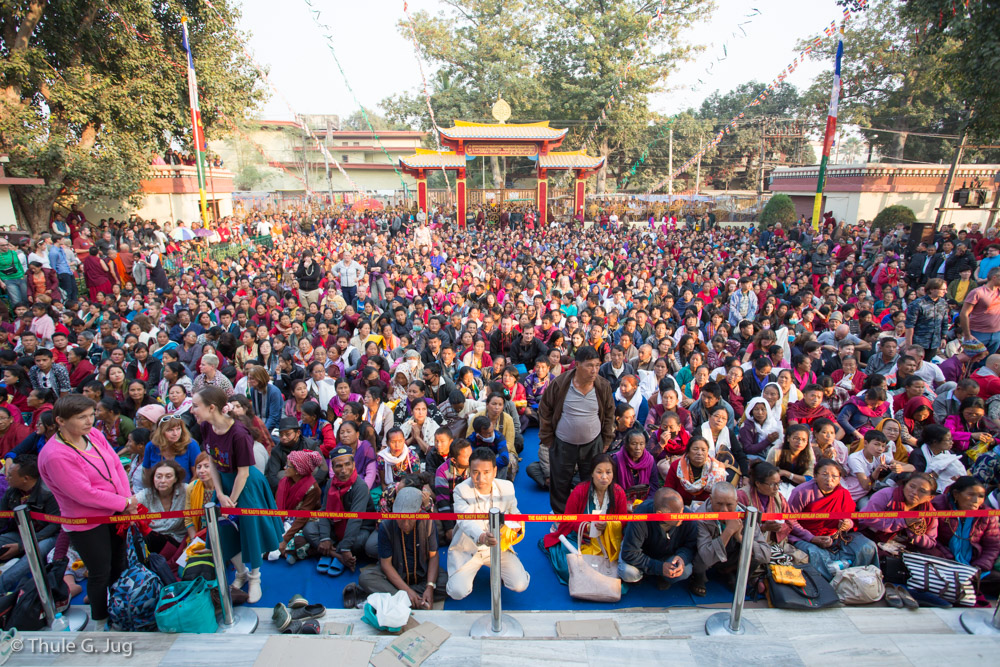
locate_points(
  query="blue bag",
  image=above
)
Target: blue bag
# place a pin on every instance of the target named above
(187, 606)
(132, 599)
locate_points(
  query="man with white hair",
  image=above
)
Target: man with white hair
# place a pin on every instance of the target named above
(719, 542)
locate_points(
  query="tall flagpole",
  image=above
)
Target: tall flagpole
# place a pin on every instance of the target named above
(197, 130)
(831, 128)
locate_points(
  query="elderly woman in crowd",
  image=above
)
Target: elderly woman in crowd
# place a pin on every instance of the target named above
(695, 473)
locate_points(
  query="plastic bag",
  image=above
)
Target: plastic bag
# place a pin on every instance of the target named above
(859, 585)
(390, 611)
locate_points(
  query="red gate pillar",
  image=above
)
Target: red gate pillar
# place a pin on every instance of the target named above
(460, 197)
(579, 193)
(422, 191)
(542, 197)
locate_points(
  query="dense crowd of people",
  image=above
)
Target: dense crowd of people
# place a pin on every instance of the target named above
(395, 362)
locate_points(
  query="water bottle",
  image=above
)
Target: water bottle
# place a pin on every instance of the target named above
(836, 566)
(60, 624)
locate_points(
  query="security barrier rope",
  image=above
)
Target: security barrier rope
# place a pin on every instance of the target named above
(526, 518)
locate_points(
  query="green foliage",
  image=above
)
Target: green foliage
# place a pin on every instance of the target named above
(252, 177)
(893, 215)
(85, 102)
(550, 61)
(969, 35)
(899, 82)
(779, 210)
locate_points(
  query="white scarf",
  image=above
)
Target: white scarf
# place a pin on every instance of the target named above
(771, 423)
(635, 401)
(389, 461)
(713, 444)
(946, 465)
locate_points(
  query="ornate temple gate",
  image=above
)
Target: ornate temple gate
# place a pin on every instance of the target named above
(534, 141)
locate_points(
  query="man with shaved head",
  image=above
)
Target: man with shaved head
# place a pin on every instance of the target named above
(719, 542)
(663, 549)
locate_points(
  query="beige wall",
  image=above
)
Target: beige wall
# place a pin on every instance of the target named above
(161, 207)
(7, 218)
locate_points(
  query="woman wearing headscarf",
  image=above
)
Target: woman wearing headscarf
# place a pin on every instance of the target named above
(635, 468)
(298, 490)
(760, 429)
(917, 415)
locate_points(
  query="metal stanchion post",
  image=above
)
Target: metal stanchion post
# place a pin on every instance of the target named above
(239, 620)
(76, 618)
(982, 622)
(496, 623)
(733, 623)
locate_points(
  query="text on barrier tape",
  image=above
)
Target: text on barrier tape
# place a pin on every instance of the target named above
(527, 518)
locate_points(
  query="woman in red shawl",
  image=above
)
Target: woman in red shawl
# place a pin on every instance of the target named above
(298, 490)
(827, 540)
(918, 413)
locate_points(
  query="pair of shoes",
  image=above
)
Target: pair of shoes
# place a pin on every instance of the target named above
(253, 590)
(241, 578)
(353, 595)
(899, 597)
(310, 627)
(330, 565)
(284, 617)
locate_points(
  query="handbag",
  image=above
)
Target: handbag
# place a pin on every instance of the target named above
(133, 597)
(947, 579)
(592, 577)
(186, 606)
(816, 594)
(859, 585)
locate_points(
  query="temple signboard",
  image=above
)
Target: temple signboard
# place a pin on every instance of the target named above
(500, 149)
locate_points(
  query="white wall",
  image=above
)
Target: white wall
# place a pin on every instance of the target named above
(7, 218)
(161, 207)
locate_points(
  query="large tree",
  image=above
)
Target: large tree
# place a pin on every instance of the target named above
(88, 94)
(890, 81)
(558, 61)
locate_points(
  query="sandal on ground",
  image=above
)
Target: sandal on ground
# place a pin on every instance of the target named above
(323, 564)
(308, 612)
(336, 568)
(310, 627)
(697, 589)
(282, 618)
(297, 602)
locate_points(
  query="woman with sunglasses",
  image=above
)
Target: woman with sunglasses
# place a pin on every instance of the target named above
(171, 441)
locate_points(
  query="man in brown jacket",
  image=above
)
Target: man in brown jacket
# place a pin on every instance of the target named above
(576, 417)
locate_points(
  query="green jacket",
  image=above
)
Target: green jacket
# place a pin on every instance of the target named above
(10, 260)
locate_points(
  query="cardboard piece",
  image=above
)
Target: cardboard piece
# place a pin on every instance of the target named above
(338, 628)
(598, 628)
(412, 647)
(314, 650)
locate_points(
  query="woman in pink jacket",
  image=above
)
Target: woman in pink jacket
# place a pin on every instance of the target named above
(87, 479)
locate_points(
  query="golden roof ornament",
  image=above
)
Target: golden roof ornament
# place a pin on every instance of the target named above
(501, 110)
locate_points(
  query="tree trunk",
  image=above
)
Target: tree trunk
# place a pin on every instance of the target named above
(34, 211)
(602, 174)
(495, 172)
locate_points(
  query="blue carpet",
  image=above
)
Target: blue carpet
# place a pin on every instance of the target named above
(281, 580)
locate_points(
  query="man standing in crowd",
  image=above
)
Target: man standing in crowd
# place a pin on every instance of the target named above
(350, 274)
(576, 421)
(928, 318)
(980, 314)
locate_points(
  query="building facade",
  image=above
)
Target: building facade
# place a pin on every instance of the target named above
(859, 191)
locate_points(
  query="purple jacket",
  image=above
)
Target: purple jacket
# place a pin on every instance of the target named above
(748, 438)
(984, 536)
(883, 501)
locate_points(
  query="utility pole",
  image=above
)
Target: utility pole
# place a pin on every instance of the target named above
(697, 176)
(951, 176)
(760, 161)
(670, 166)
(305, 157)
(326, 160)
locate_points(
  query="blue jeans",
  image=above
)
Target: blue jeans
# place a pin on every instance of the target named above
(67, 283)
(20, 569)
(17, 290)
(630, 574)
(990, 339)
(860, 551)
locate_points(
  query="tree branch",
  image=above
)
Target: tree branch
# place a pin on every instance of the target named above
(34, 14)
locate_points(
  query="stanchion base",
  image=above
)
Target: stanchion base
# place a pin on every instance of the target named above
(76, 618)
(718, 624)
(245, 621)
(979, 622)
(483, 627)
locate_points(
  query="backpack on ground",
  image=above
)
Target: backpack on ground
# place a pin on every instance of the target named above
(132, 600)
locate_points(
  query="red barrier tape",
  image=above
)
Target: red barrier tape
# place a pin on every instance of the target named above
(528, 518)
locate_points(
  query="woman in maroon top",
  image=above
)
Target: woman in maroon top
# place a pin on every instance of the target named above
(237, 484)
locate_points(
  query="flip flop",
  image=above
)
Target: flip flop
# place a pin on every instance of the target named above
(324, 564)
(336, 568)
(282, 617)
(309, 612)
(350, 596)
(297, 602)
(310, 627)
(892, 597)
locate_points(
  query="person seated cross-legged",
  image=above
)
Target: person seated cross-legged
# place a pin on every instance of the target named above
(663, 549)
(408, 556)
(471, 543)
(719, 542)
